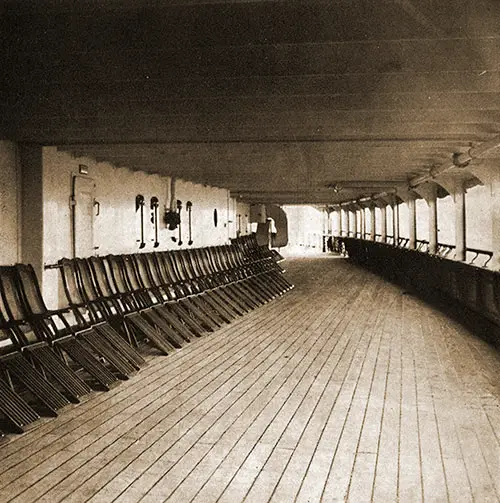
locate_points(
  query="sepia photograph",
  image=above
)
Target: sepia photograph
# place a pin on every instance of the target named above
(249, 251)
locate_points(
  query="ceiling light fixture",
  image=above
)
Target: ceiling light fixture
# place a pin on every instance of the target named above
(335, 187)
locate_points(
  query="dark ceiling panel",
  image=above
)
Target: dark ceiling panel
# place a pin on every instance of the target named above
(262, 97)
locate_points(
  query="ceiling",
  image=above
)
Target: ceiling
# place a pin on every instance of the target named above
(279, 101)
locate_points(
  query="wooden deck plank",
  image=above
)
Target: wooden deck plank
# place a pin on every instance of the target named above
(347, 388)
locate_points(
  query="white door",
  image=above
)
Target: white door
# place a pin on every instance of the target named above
(83, 227)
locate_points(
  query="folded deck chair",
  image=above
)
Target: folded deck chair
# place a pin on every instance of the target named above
(82, 294)
(53, 326)
(112, 289)
(17, 367)
(39, 353)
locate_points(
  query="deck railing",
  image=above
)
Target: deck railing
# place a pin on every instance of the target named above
(464, 284)
(474, 256)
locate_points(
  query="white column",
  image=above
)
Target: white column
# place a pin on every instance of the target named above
(433, 223)
(460, 224)
(495, 215)
(373, 229)
(395, 221)
(363, 222)
(383, 217)
(412, 207)
(355, 221)
(338, 219)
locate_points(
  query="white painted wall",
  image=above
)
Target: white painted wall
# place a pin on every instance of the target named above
(9, 218)
(117, 228)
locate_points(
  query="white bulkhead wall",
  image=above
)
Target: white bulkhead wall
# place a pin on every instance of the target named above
(117, 227)
(9, 209)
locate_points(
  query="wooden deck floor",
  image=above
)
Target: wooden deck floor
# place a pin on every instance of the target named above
(347, 388)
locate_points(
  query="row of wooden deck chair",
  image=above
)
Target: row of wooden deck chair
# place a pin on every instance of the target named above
(118, 305)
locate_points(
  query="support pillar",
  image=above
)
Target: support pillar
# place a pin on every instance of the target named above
(489, 174)
(355, 222)
(495, 215)
(373, 229)
(338, 219)
(412, 211)
(395, 221)
(433, 223)
(383, 218)
(460, 224)
(455, 185)
(345, 223)
(32, 249)
(429, 192)
(341, 223)
(363, 222)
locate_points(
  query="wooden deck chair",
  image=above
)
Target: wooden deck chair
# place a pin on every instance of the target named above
(186, 295)
(165, 291)
(227, 278)
(216, 283)
(152, 308)
(18, 368)
(53, 326)
(76, 322)
(162, 305)
(38, 352)
(200, 288)
(80, 289)
(111, 282)
(191, 271)
(195, 271)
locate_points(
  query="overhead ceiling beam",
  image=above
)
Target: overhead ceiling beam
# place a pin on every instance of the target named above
(453, 138)
(460, 160)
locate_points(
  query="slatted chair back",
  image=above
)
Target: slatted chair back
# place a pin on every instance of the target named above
(141, 263)
(115, 272)
(101, 274)
(228, 256)
(174, 260)
(75, 294)
(219, 259)
(31, 289)
(117, 279)
(198, 260)
(130, 273)
(144, 297)
(155, 269)
(47, 323)
(166, 268)
(69, 275)
(189, 265)
(211, 262)
(13, 305)
(178, 260)
(87, 283)
(144, 274)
